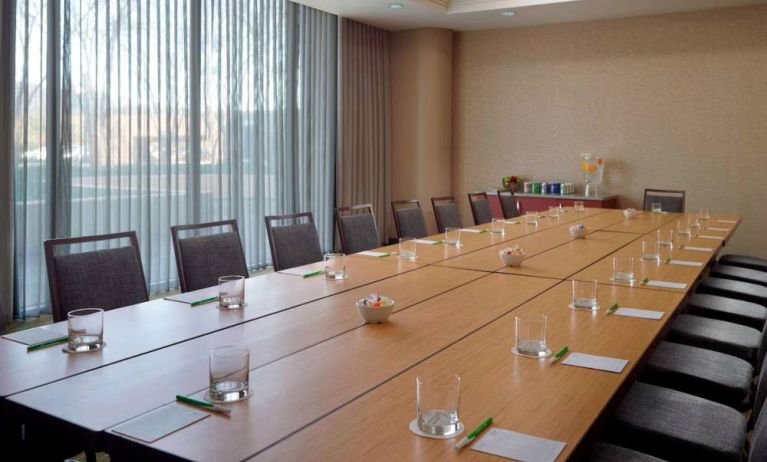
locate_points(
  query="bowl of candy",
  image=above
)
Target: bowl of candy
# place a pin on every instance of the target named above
(375, 309)
(512, 256)
(578, 231)
(630, 213)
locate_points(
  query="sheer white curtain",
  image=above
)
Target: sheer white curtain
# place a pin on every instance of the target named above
(168, 112)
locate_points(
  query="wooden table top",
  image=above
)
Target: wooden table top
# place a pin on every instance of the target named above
(162, 323)
(295, 391)
(643, 223)
(526, 395)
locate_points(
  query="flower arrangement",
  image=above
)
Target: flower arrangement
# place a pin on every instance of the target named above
(511, 182)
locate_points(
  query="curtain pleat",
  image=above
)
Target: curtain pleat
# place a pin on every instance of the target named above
(363, 162)
(126, 155)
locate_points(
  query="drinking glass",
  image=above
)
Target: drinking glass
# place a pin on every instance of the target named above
(683, 228)
(407, 248)
(531, 335)
(452, 236)
(554, 212)
(656, 207)
(229, 368)
(623, 269)
(650, 250)
(704, 214)
(437, 400)
(231, 292)
(578, 206)
(693, 221)
(497, 226)
(86, 329)
(335, 265)
(665, 237)
(531, 218)
(585, 295)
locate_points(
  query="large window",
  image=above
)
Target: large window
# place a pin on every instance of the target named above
(139, 115)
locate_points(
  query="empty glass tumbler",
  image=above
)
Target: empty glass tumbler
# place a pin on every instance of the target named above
(231, 292)
(585, 295)
(229, 369)
(554, 212)
(656, 207)
(531, 335)
(438, 397)
(335, 266)
(452, 236)
(531, 218)
(623, 269)
(498, 226)
(85, 329)
(665, 237)
(578, 206)
(650, 250)
(407, 248)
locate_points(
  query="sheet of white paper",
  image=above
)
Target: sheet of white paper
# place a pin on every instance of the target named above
(638, 313)
(427, 241)
(513, 222)
(38, 334)
(370, 253)
(717, 229)
(603, 363)
(154, 425)
(698, 249)
(707, 236)
(518, 446)
(685, 263)
(666, 284)
(195, 296)
(303, 272)
(472, 230)
(726, 221)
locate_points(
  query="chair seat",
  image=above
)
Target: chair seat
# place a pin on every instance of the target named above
(673, 425)
(700, 372)
(733, 289)
(713, 334)
(606, 452)
(745, 261)
(738, 273)
(728, 309)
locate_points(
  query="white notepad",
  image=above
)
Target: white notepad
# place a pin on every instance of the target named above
(427, 242)
(666, 284)
(726, 221)
(707, 236)
(602, 363)
(638, 313)
(717, 229)
(472, 230)
(196, 296)
(370, 253)
(38, 334)
(685, 263)
(303, 272)
(513, 222)
(518, 446)
(154, 425)
(698, 249)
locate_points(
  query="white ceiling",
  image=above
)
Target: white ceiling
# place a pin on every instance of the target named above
(466, 15)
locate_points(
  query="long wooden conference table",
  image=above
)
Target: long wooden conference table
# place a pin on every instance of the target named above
(326, 386)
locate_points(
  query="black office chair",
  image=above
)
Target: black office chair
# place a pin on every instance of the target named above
(670, 200)
(408, 219)
(357, 228)
(480, 208)
(446, 213)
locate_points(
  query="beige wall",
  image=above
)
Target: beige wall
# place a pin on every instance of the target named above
(421, 94)
(674, 101)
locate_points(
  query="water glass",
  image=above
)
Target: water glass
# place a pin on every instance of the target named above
(693, 221)
(585, 295)
(554, 212)
(704, 214)
(438, 396)
(497, 226)
(531, 218)
(452, 236)
(623, 269)
(231, 292)
(665, 237)
(229, 368)
(651, 251)
(407, 248)
(578, 206)
(656, 207)
(683, 228)
(335, 265)
(86, 329)
(531, 335)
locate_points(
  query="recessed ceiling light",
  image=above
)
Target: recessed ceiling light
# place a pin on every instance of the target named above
(396, 6)
(507, 13)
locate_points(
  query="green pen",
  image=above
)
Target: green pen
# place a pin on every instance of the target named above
(203, 404)
(47, 343)
(207, 300)
(315, 273)
(468, 438)
(560, 353)
(612, 309)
